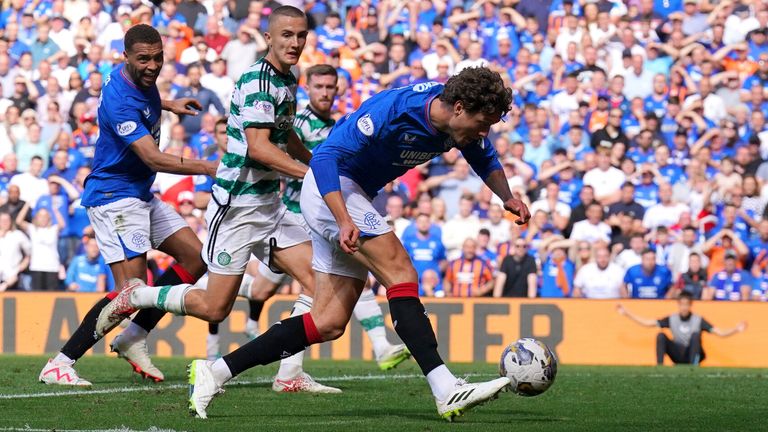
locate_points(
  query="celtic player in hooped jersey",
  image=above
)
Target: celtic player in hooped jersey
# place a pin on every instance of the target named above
(127, 219)
(392, 132)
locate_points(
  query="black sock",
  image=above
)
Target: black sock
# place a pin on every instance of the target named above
(414, 329)
(148, 318)
(84, 338)
(282, 340)
(213, 328)
(256, 307)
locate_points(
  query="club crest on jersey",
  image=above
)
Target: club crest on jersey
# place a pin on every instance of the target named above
(126, 128)
(365, 125)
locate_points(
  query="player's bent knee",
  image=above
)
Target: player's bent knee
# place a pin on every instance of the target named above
(331, 331)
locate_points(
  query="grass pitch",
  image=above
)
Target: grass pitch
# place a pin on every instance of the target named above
(583, 398)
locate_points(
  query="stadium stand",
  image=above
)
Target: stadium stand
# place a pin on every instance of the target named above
(638, 128)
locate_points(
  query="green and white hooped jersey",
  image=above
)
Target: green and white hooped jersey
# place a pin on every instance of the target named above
(313, 130)
(265, 98)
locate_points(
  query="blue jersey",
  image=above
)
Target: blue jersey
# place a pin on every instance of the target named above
(658, 107)
(672, 173)
(647, 195)
(426, 254)
(390, 134)
(549, 287)
(728, 286)
(126, 113)
(86, 273)
(647, 286)
(569, 191)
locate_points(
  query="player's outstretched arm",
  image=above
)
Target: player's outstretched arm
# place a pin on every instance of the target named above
(646, 322)
(261, 149)
(740, 327)
(146, 149)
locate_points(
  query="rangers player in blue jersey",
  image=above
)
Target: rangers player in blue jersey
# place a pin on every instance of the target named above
(390, 133)
(127, 219)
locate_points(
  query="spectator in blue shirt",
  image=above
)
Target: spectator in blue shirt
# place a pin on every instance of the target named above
(557, 272)
(730, 283)
(206, 97)
(427, 253)
(647, 280)
(88, 272)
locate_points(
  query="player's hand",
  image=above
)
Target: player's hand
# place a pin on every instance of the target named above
(620, 309)
(211, 167)
(185, 106)
(741, 326)
(349, 233)
(518, 208)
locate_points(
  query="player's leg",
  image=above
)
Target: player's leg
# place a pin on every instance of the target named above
(334, 300)
(213, 346)
(694, 354)
(232, 234)
(662, 348)
(265, 284)
(297, 262)
(371, 317)
(122, 232)
(389, 262)
(170, 234)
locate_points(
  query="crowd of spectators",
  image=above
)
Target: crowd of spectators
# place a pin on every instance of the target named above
(638, 135)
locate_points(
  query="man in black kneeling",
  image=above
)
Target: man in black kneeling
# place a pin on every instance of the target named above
(686, 327)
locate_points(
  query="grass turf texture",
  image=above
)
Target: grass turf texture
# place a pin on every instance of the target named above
(583, 398)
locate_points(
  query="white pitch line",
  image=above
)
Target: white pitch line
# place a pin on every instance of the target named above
(262, 380)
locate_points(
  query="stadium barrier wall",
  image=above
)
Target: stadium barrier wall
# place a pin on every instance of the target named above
(468, 330)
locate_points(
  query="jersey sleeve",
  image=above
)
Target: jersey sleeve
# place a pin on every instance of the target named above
(258, 101)
(663, 323)
(126, 123)
(71, 272)
(482, 157)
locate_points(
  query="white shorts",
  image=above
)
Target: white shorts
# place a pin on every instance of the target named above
(234, 233)
(130, 227)
(327, 255)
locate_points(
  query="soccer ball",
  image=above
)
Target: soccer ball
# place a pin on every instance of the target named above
(530, 366)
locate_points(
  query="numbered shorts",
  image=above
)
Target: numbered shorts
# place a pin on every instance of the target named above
(327, 255)
(234, 233)
(130, 227)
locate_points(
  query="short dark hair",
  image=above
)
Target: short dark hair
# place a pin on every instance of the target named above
(484, 231)
(288, 11)
(685, 295)
(479, 90)
(321, 69)
(141, 33)
(221, 121)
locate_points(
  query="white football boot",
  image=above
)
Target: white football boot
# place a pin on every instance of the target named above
(62, 374)
(467, 395)
(302, 383)
(136, 354)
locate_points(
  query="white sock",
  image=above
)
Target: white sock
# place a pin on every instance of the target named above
(245, 287)
(442, 382)
(61, 358)
(133, 332)
(252, 326)
(292, 366)
(168, 298)
(368, 312)
(221, 372)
